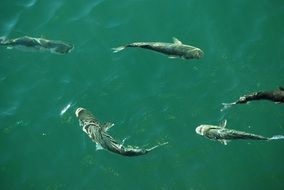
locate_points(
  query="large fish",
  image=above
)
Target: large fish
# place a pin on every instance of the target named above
(275, 96)
(98, 133)
(223, 135)
(30, 43)
(173, 50)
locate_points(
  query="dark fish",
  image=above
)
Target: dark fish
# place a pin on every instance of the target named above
(173, 50)
(223, 135)
(275, 96)
(27, 42)
(98, 133)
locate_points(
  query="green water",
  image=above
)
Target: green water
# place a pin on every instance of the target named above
(149, 97)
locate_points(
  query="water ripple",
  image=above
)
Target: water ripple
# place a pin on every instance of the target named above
(52, 10)
(86, 10)
(27, 4)
(8, 26)
(9, 111)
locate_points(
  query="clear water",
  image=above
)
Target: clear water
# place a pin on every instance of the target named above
(149, 97)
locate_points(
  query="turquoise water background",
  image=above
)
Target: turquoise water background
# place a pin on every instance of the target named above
(148, 96)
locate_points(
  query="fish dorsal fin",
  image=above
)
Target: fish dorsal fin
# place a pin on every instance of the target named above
(224, 123)
(176, 41)
(37, 40)
(107, 126)
(281, 88)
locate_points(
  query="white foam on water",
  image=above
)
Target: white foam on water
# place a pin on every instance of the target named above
(65, 109)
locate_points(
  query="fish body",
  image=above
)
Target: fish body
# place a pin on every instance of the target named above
(223, 135)
(276, 96)
(31, 43)
(98, 133)
(173, 50)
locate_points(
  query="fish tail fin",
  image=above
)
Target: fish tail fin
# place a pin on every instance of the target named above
(277, 137)
(227, 105)
(158, 145)
(118, 49)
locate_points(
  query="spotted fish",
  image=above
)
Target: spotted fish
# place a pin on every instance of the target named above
(276, 96)
(98, 133)
(223, 135)
(30, 43)
(173, 50)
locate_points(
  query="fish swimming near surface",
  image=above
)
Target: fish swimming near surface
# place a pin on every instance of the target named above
(98, 133)
(276, 96)
(30, 43)
(223, 135)
(173, 50)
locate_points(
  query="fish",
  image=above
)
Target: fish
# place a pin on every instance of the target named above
(30, 43)
(223, 135)
(276, 96)
(99, 134)
(174, 50)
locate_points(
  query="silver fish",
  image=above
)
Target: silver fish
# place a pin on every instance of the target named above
(276, 96)
(98, 133)
(31, 43)
(173, 50)
(223, 135)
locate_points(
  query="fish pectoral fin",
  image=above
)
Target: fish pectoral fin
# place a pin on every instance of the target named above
(172, 57)
(123, 141)
(99, 147)
(177, 41)
(9, 47)
(108, 125)
(224, 123)
(225, 142)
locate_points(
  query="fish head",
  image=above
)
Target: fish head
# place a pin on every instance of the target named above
(84, 116)
(198, 53)
(79, 111)
(242, 99)
(201, 129)
(63, 48)
(195, 53)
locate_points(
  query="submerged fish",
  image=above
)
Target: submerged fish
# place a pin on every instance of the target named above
(223, 135)
(98, 133)
(173, 50)
(27, 42)
(275, 96)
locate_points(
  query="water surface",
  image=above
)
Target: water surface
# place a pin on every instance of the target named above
(149, 97)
